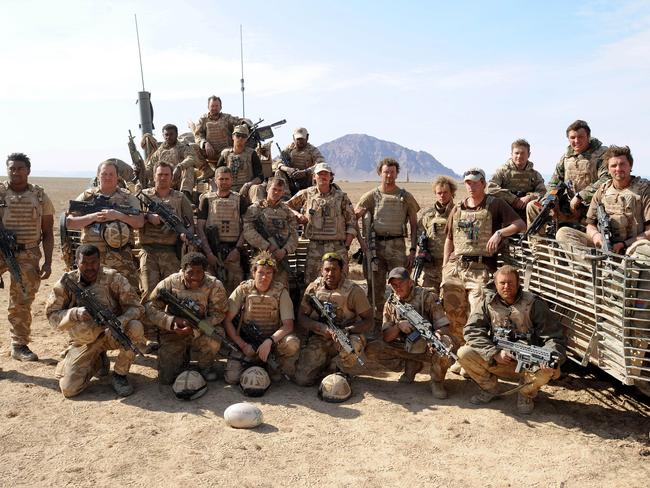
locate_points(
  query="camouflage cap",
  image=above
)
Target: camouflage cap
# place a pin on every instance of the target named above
(400, 273)
(323, 167)
(300, 133)
(241, 129)
(474, 174)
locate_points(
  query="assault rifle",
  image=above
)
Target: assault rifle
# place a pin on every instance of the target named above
(423, 256)
(286, 160)
(279, 242)
(139, 169)
(422, 328)
(171, 220)
(102, 316)
(371, 258)
(99, 203)
(327, 313)
(219, 249)
(604, 227)
(252, 334)
(548, 203)
(530, 358)
(8, 248)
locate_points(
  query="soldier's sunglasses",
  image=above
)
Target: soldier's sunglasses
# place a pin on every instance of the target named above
(266, 262)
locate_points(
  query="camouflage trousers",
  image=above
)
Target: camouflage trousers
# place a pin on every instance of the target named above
(286, 353)
(432, 275)
(462, 291)
(568, 238)
(82, 361)
(122, 261)
(20, 305)
(319, 352)
(315, 252)
(175, 351)
(390, 254)
(155, 266)
(487, 376)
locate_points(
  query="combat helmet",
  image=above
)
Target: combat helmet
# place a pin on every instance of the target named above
(335, 388)
(189, 385)
(254, 381)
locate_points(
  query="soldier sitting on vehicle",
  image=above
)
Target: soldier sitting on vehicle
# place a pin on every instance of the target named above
(301, 157)
(243, 161)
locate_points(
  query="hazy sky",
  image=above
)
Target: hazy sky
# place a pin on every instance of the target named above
(460, 80)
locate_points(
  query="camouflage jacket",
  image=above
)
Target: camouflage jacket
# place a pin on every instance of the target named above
(509, 183)
(200, 126)
(179, 155)
(425, 302)
(277, 219)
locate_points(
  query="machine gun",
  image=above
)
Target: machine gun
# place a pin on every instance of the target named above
(99, 203)
(252, 334)
(327, 313)
(8, 248)
(421, 328)
(102, 316)
(139, 168)
(170, 219)
(423, 256)
(259, 134)
(530, 358)
(604, 227)
(548, 203)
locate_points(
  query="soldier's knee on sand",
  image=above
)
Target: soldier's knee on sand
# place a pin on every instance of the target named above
(70, 388)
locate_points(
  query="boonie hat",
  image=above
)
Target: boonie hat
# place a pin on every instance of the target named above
(400, 273)
(474, 174)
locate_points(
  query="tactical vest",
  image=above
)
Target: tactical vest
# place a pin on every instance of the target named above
(200, 295)
(472, 230)
(515, 316)
(301, 158)
(276, 219)
(339, 297)
(520, 180)
(217, 133)
(625, 208)
(582, 169)
(435, 224)
(325, 219)
(170, 155)
(161, 234)
(22, 213)
(262, 308)
(417, 300)
(241, 166)
(225, 214)
(390, 213)
(92, 234)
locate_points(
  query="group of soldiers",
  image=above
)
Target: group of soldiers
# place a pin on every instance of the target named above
(190, 302)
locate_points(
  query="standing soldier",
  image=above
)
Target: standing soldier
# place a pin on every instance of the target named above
(244, 163)
(28, 214)
(329, 220)
(353, 315)
(88, 341)
(220, 229)
(271, 226)
(302, 157)
(433, 222)
(391, 208)
(109, 229)
(517, 182)
(180, 156)
(176, 335)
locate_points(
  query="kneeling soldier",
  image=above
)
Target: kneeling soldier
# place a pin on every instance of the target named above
(207, 297)
(89, 340)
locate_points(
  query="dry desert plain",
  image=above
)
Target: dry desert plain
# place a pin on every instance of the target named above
(587, 429)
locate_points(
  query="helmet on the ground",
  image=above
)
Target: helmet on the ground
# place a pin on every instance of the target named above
(116, 234)
(189, 385)
(334, 388)
(254, 381)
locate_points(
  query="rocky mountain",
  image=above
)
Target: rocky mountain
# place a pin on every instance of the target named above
(354, 157)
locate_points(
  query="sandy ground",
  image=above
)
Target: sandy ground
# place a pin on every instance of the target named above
(587, 429)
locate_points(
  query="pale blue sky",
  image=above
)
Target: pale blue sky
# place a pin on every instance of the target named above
(460, 80)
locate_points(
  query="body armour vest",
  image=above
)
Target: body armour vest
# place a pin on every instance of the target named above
(200, 295)
(275, 219)
(241, 166)
(512, 317)
(325, 219)
(262, 308)
(435, 223)
(472, 230)
(217, 133)
(161, 234)
(582, 169)
(390, 213)
(301, 158)
(625, 208)
(225, 215)
(92, 234)
(22, 213)
(520, 180)
(339, 297)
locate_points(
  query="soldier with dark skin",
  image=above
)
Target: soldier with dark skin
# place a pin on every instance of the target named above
(181, 158)
(244, 163)
(303, 156)
(27, 211)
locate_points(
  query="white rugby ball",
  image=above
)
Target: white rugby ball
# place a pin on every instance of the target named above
(243, 416)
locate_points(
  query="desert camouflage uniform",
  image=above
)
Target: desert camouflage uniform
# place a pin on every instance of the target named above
(331, 218)
(174, 352)
(180, 155)
(278, 220)
(242, 165)
(319, 351)
(87, 340)
(433, 221)
(217, 130)
(23, 213)
(118, 259)
(528, 315)
(268, 310)
(509, 182)
(390, 213)
(301, 159)
(426, 303)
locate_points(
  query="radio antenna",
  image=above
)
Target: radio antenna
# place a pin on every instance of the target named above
(241, 52)
(137, 35)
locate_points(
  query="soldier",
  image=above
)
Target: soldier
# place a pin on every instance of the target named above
(433, 222)
(212, 132)
(518, 311)
(391, 208)
(395, 329)
(517, 182)
(582, 165)
(28, 213)
(177, 337)
(329, 220)
(353, 315)
(220, 229)
(110, 230)
(477, 226)
(89, 342)
(265, 302)
(271, 226)
(302, 156)
(243, 161)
